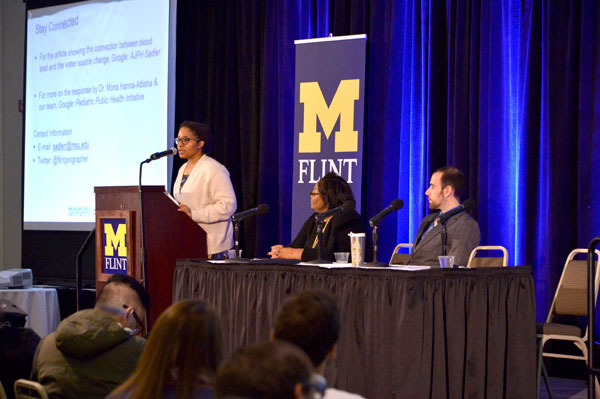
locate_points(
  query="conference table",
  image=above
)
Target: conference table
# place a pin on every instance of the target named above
(437, 333)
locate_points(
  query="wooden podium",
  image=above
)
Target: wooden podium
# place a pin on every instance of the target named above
(169, 235)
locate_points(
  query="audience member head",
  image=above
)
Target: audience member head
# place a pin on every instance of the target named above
(125, 298)
(183, 352)
(311, 321)
(333, 191)
(201, 131)
(272, 370)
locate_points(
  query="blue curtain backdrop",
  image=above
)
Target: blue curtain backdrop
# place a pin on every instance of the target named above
(506, 90)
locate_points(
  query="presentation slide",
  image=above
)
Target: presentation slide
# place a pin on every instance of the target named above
(98, 102)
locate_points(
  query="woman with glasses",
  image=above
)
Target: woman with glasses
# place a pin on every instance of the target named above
(329, 192)
(181, 357)
(203, 188)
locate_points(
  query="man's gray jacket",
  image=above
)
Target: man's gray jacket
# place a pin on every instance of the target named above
(463, 236)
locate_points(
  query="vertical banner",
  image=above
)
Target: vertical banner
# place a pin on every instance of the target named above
(328, 116)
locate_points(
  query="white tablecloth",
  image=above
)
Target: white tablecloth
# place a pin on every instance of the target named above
(41, 305)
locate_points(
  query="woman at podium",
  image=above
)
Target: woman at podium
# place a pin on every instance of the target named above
(203, 188)
(330, 192)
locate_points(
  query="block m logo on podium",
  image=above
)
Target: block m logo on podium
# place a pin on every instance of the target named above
(114, 244)
(328, 116)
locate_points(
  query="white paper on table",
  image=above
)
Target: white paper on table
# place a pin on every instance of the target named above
(409, 267)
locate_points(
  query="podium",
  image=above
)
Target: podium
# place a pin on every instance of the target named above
(168, 235)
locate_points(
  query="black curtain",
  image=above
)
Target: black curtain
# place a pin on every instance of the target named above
(219, 81)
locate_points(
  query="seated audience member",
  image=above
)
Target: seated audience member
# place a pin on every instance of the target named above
(328, 193)
(94, 350)
(181, 357)
(445, 188)
(272, 370)
(17, 346)
(311, 321)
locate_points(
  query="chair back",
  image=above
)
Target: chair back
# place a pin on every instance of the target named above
(25, 389)
(571, 297)
(488, 261)
(398, 258)
(2, 392)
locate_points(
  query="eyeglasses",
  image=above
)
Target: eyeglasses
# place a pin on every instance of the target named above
(184, 140)
(312, 194)
(141, 328)
(315, 387)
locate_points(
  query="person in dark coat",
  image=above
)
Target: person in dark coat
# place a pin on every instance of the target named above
(328, 193)
(94, 350)
(17, 346)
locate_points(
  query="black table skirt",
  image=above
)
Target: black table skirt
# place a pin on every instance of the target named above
(442, 333)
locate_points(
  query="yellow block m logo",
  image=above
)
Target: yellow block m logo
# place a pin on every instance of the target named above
(342, 107)
(115, 240)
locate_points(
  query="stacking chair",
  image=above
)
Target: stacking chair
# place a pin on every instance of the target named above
(400, 258)
(488, 261)
(570, 299)
(25, 389)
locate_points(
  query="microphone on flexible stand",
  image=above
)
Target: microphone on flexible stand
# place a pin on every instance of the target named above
(238, 217)
(162, 154)
(374, 223)
(465, 206)
(347, 206)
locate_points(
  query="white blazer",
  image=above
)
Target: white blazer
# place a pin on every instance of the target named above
(209, 194)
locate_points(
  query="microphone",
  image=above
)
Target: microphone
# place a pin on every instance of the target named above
(345, 207)
(259, 210)
(465, 206)
(469, 205)
(159, 155)
(394, 206)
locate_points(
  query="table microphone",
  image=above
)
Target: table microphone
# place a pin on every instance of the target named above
(259, 210)
(394, 206)
(237, 218)
(345, 207)
(465, 206)
(374, 223)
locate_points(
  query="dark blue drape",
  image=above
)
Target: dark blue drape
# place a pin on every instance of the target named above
(506, 90)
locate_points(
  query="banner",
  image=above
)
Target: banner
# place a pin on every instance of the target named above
(328, 117)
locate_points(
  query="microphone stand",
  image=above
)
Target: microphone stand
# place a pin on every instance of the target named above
(320, 225)
(79, 269)
(375, 262)
(236, 238)
(591, 318)
(444, 237)
(142, 240)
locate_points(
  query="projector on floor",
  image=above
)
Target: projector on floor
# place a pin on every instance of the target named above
(14, 278)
